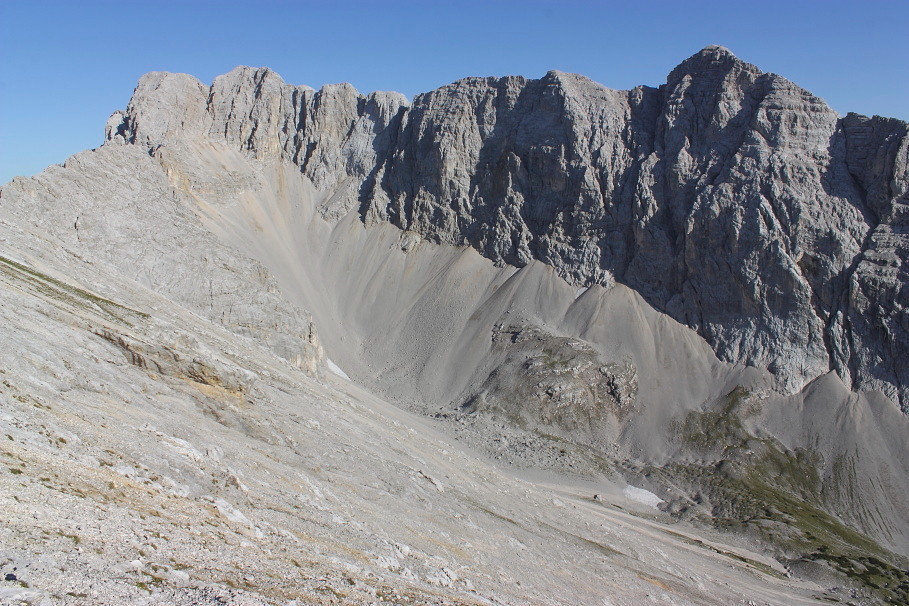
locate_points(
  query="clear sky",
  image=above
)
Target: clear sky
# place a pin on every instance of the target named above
(66, 66)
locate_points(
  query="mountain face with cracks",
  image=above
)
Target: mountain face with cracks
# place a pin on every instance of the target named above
(731, 199)
(689, 300)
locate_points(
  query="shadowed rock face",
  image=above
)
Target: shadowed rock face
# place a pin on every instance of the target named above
(730, 199)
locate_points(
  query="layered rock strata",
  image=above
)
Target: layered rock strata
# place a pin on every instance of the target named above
(731, 199)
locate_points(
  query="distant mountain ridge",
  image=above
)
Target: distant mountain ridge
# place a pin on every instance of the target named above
(730, 199)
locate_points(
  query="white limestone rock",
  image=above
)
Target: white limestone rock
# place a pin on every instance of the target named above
(731, 199)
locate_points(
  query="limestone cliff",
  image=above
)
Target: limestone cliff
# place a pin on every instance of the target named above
(162, 293)
(731, 199)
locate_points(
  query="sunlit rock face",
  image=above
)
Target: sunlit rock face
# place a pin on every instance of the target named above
(730, 199)
(678, 311)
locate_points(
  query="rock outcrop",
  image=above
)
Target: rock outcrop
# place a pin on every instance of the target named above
(115, 207)
(731, 199)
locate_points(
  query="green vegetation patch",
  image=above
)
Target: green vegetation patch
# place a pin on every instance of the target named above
(66, 293)
(758, 486)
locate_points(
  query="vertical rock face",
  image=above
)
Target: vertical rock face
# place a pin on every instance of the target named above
(335, 134)
(731, 199)
(870, 331)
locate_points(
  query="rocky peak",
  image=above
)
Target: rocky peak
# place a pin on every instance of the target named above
(164, 106)
(731, 199)
(710, 63)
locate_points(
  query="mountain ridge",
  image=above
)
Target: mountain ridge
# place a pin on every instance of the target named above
(639, 186)
(646, 289)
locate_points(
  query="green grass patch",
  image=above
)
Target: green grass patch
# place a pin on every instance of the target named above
(66, 293)
(759, 487)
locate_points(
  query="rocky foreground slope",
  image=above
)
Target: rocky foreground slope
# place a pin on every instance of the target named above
(521, 260)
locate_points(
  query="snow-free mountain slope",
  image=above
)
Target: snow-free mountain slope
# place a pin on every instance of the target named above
(731, 199)
(698, 289)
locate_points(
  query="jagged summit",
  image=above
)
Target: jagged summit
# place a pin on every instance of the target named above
(714, 52)
(710, 62)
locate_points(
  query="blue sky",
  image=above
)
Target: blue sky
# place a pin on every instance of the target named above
(66, 66)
